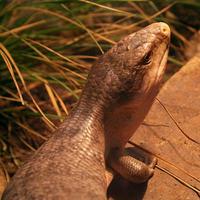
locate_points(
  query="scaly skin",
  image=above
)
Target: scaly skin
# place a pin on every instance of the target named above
(120, 90)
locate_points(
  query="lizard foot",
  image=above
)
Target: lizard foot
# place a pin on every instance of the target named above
(131, 168)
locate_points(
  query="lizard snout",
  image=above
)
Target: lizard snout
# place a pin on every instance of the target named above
(164, 28)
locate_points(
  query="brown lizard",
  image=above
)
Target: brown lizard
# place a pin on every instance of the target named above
(120, 90)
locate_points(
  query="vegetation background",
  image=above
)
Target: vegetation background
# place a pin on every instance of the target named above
(47, 48)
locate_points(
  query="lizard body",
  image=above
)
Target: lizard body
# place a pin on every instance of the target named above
(120, 89)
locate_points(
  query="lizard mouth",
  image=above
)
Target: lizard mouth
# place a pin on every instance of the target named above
(162, 64)
(165, 45)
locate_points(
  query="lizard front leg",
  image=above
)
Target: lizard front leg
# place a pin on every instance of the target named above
(129, 167)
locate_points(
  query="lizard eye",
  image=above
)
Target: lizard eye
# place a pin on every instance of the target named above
(147, 58)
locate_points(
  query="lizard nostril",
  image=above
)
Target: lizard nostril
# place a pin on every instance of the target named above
(164, 28)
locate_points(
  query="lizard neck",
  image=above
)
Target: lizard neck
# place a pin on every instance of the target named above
(84, 125)
(83, 146)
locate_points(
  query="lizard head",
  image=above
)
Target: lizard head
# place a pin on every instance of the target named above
(134, 65)
(142, 58)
